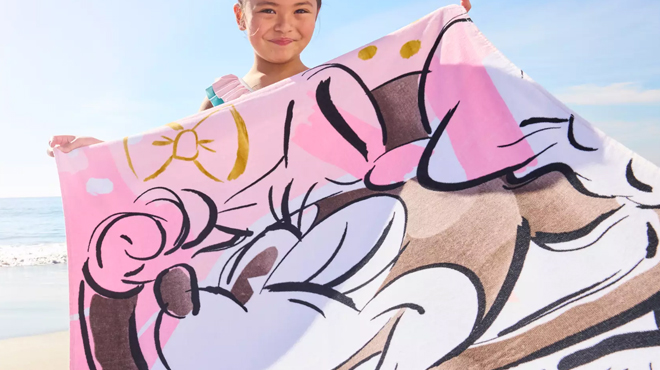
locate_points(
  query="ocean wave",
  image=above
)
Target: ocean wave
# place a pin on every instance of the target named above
(32, 255)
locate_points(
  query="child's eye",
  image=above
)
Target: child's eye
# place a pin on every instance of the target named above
(267, 11)
(302, 11)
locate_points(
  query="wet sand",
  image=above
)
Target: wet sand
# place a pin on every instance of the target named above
(34, 300)
(45, 351)
(34, 318)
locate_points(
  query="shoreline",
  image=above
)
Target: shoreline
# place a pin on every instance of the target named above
(43, 351)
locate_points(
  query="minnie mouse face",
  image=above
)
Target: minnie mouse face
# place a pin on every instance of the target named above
(319, 298)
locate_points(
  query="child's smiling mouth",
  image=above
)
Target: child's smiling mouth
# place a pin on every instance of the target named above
(282, 41)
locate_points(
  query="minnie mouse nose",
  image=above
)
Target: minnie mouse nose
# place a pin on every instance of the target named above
(176, 291)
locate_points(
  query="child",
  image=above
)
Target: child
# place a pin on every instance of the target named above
(279, 30)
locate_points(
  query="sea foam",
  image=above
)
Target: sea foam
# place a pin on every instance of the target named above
(32, 255)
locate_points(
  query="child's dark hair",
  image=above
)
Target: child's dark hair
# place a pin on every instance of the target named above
(242, 2)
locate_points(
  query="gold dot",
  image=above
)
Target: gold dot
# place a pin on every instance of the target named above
(410, 48)
(368, 52)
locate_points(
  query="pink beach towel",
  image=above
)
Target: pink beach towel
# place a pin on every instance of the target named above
(417, 203)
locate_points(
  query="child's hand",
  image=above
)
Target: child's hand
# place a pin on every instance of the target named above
(67, 143)
(466, 4)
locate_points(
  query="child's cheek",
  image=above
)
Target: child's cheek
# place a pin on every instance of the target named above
(308, 29)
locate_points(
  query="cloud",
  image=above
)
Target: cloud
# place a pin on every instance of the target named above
(614, 94)
(99, 186)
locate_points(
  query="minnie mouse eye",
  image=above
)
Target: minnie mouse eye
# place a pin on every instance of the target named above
(234, 232)
(308, 305)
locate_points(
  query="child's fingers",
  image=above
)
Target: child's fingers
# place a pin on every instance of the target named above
(61, 148)
(66, 148)
(77, 142)
(55, 140)
(67, 143)
(60, 140)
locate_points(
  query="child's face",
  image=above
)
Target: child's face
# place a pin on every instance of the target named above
(279, 30)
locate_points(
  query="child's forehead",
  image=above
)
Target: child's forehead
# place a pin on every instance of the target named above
(280, 2)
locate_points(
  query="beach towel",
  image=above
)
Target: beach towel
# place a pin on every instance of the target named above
(418, 203)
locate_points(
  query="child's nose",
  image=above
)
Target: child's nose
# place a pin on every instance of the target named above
(284, 24)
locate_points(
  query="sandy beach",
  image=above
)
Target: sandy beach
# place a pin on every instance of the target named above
(34, 318)
(40, 352)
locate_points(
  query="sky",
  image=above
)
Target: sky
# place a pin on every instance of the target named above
(109, 69)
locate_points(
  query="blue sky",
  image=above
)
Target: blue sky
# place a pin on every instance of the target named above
(112, 68)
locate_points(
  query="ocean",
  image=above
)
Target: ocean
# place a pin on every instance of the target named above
(31, 232)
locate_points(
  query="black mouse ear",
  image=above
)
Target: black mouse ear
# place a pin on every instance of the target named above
(177, 292)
